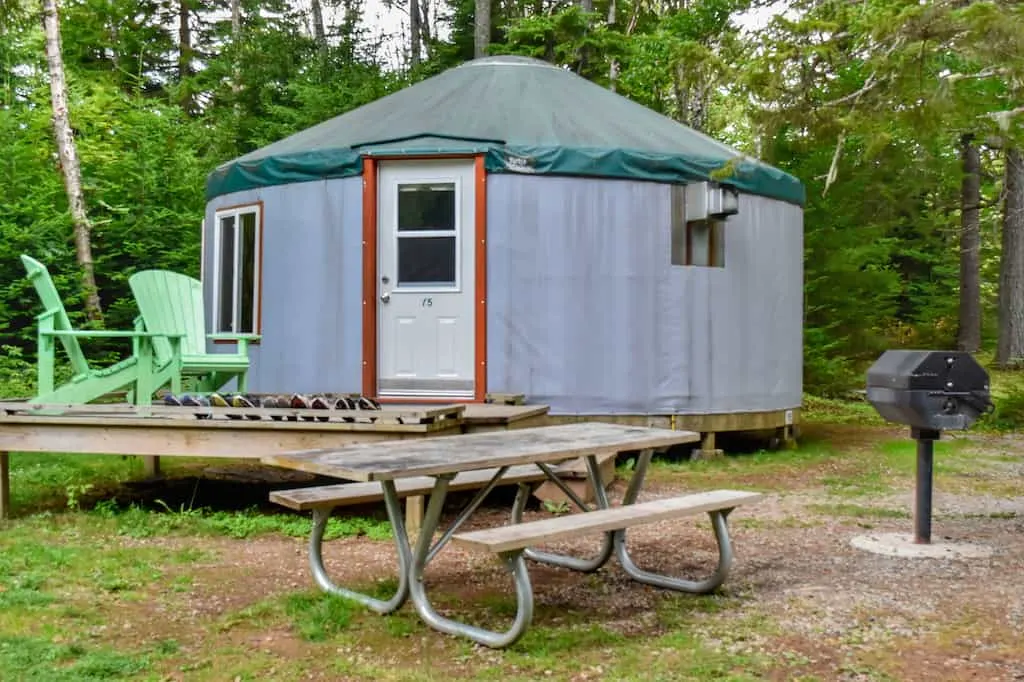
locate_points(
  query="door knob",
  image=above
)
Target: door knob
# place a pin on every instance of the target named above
(386, 296)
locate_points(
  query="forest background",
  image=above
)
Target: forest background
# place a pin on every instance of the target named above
(902, 117)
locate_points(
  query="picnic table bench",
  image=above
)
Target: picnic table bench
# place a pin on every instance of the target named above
(440, 465)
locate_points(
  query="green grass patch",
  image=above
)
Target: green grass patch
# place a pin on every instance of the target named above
(35, 659)
(317, 616)
(51, 483)
(859, 511)
(40, 480)
(136, 521)
(865, 466)
(759, 470)
(54, 571)
(816, 410)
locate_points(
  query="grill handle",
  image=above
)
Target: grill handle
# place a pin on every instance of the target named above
(979, 400)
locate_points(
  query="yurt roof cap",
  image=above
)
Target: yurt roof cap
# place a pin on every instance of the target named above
(525, 116)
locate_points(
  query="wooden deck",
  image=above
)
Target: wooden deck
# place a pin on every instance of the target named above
(161, 431)
(490, 416)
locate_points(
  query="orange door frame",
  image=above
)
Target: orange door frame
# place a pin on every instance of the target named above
(370, 311)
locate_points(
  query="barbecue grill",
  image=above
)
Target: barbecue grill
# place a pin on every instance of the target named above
(930, 391)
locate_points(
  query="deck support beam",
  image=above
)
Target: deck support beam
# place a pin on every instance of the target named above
(151, 464)
(707, 446)
(5, 485)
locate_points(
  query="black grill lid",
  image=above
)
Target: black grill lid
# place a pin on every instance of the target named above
(929, 370)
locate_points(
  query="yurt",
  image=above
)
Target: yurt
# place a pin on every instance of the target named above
(508, 227)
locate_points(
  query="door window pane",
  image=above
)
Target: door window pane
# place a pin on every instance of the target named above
(426, 261)
(426, 207)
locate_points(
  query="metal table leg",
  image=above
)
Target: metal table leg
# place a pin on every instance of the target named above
(423, 553)
(718, 522)
(709, 584)
(316, 562)
(600, 497)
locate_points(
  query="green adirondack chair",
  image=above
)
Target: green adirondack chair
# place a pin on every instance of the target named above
(135, 373)
(172, 303)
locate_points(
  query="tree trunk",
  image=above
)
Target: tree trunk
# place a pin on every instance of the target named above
(319, 35)
(414, 33)
(69, 159)
(586, 6)
(184, 54)
(613, 67)
(1010, 349)
(481, 28)
(426, 33)
(236, 33)
(969, 333)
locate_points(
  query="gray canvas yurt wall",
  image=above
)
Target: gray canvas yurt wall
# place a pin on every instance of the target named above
(587, 314)
(311, 285)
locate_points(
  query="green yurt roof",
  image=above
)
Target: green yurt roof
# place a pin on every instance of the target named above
(526, 116)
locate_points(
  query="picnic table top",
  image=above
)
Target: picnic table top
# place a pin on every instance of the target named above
(452, 454)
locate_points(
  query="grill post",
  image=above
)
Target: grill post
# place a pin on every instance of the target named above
(923, 492)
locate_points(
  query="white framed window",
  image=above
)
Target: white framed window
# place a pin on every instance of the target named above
(236, 264)
(427, 234)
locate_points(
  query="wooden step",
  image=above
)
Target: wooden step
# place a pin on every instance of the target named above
(522, 535)
(345, 494)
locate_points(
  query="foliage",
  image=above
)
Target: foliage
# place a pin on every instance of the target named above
(865, 102)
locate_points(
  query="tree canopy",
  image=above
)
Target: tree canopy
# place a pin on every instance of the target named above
(871, 104)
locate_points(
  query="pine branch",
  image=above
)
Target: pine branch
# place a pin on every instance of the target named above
(984, 73)
(872, 81)
(1003, 118)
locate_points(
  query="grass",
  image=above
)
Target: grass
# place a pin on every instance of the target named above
(92, 484)
(1007, 393)
(80, 562)
(36, 658)
(859, 468)
(136, 521)
(759, 470)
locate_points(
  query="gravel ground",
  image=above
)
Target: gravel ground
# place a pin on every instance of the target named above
(799, 590)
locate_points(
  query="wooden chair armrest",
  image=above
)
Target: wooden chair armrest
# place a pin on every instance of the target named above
(47, 314)
(101, 334)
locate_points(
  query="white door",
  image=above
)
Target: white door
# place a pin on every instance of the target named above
(425, 269)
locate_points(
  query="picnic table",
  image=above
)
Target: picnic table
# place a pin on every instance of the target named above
(522, 456)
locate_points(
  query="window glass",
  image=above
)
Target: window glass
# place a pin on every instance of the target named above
(426, 261)
(426, 207)
(700, 242)
(226, 279)
(247, 279)
(718, 244)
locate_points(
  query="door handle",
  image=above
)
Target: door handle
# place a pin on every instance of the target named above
(385, 296)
